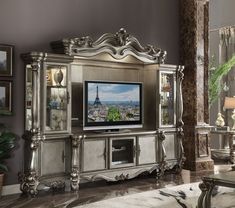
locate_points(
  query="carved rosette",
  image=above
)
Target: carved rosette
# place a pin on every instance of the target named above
(122, 177)
(117, 45)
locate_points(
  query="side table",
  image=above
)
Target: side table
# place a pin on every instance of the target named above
(230, 135)
(209, 182)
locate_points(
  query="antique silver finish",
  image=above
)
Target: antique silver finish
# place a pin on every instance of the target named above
(162, 137)
(112, 57)
(29, 181)
(37, 141)
(118, 45)
(74, 176)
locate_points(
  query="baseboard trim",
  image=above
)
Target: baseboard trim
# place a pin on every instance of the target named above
(11, 189)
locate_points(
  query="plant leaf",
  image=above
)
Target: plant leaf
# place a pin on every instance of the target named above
(215, 79)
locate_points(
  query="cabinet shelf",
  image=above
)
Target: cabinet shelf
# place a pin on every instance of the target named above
(120, 162)
(58, 109)
(119, 149)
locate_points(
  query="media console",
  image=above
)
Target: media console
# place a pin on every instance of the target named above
(58, 150)
(121, 156)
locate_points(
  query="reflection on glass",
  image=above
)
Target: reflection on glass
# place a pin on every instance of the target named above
(28, 98)
(167, 99)
(56, 98)
(122, 152)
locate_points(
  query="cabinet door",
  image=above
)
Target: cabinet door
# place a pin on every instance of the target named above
(94, 155)
(57, 103)
(28, 97)
(55, 156)
(170, 144)
(167, 105)
(122, 152)
(146, 150)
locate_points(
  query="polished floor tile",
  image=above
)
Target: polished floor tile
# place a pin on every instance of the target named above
(91, 192)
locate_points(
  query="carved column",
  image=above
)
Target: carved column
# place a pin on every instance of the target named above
(29, 181)
(194, 56)
(162, 163)
(74, 176)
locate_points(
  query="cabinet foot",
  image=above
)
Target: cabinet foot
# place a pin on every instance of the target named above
(74, 179)
(29, 183)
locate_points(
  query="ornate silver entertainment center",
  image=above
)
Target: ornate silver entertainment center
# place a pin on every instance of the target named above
(57, 149)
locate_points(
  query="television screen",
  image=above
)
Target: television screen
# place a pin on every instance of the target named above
(112, 105)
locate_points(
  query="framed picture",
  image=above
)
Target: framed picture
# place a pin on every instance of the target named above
(6, 52)
(5, 97)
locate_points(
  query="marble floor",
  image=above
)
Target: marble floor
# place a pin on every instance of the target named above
(91, 192)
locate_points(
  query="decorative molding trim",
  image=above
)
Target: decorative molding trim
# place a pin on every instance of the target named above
(122, 176)
(117, 45)
(11, 189)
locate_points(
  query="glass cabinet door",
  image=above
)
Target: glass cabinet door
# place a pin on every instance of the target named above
(56, 98)
(28, 98)
(167, 99)
(122, 152)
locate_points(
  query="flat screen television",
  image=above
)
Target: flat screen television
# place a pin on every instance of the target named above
(112, 105)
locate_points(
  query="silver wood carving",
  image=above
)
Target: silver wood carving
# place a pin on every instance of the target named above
(117, 45)
(29, 181)
(74, 176)
(162, 137)
(113, 176)
(91, 156)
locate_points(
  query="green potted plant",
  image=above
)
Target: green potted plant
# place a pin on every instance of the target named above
(7, 143)
(216, 76)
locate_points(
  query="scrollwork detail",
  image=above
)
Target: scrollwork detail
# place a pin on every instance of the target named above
(74, 178)
(122, 177)
(118, 45)
(29, 183)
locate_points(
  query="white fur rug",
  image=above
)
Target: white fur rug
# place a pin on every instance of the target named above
(182, 196)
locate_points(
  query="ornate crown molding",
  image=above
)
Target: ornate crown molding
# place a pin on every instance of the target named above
(117, 45)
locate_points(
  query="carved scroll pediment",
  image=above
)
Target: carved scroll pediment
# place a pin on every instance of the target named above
(117, 45)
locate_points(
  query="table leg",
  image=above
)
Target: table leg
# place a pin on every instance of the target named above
(204, 200)
(200, 202)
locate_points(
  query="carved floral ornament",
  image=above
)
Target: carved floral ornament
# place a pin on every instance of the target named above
(118, 45)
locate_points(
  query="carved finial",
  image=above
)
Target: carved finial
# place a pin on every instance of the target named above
(122, 37)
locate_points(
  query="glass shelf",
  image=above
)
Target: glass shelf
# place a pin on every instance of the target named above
(28, 98)
(122, 152)
(167, 99)
(56, 98)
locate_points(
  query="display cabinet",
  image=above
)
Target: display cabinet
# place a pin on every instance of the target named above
(57, 148)
(169, 113)
(115, 157)
(47, 120)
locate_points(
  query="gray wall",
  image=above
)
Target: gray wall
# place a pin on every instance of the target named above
(30, 25)
(221, 13)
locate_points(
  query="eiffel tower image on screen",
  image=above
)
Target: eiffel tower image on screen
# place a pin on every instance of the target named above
(97, 99)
